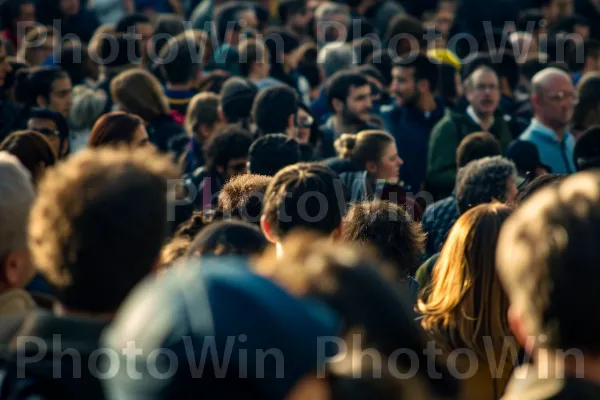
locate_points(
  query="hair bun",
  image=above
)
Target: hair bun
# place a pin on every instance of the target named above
(345, 145)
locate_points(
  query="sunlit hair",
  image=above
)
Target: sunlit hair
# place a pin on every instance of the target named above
(363, 147)
(465, 301)
(138, 92)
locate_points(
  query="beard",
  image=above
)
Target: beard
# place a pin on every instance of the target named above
(351, 118)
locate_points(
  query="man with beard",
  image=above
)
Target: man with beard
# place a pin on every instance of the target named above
(482, 91)
(553, 100)
(413, 116)
(349, 97)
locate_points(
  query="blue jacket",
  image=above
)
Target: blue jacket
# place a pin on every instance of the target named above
(557, 155)
(412, 128)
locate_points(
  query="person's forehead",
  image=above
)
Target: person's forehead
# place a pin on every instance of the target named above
(42, 122)
(359, 90)
(484, 75)
(557, 83)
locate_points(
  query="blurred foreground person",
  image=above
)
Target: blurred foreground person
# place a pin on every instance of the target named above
(374, 323)
(545, 249)
(465, 306)
(269, 348)
(94, 246)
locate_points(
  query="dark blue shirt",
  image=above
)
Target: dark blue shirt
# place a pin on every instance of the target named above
(411, 128)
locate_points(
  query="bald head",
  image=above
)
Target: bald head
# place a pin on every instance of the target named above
(553, 98)
(548, 78)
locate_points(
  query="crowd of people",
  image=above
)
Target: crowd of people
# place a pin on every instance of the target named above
(299, 199)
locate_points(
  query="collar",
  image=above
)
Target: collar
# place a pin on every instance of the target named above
(471, 113)
(544, 131)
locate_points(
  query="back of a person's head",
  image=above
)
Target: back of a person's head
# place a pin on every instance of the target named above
(226, 144)
(270, 153)
(251, 51)
(88, 105)
(363, 147)
(138, 92)
(405, 25)
(538, 184)
(33, 151)
(98, 224)
(476, 146)
(237, 97)
(335, 57)
(115, 128)
(273, 108)
(303, 196)
(165, 27)
(585, 111)
(127, 23)
(224, 238)
(587, 150)
(389, 229)
(484, 181)
(548, 261)
(243, 195)
(352, 280)
(468, 256)
(226, 18)
(202, 110)
(16, 198)
(180, 59)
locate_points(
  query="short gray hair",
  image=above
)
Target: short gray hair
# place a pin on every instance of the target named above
(483, 181)
(334, 57)
(16, 198)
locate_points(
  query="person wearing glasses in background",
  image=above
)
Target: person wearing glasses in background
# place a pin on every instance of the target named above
(553, 100)
(53, 126)
(482, 90)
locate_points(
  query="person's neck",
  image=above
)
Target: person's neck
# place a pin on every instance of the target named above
(253, 77)
(180, 86)
(61, 310)
(559, 130)
(485, 120)
(341, 125)
(427, 103)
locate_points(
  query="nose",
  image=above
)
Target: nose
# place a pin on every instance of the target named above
(400, 162)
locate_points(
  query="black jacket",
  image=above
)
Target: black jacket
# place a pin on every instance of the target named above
(162, 129)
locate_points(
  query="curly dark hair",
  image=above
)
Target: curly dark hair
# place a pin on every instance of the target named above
(389, 229)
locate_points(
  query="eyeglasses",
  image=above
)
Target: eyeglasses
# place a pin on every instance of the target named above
(558, 97)
(483, 87)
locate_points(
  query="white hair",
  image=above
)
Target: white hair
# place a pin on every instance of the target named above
(16, 198)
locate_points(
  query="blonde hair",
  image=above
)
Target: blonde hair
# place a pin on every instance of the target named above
(202, 110)
(465, 302)
(138, 92)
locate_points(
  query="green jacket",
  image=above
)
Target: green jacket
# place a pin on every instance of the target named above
(445, 138)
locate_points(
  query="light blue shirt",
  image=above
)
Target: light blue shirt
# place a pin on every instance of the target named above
(556, 154)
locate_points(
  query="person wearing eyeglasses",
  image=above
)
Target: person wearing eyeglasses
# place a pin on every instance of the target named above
(482, 90)
(553, 100)
(53, 126)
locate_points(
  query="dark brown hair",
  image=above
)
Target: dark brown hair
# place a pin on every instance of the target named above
(388, 228)
(32, 149)
(113, 129)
